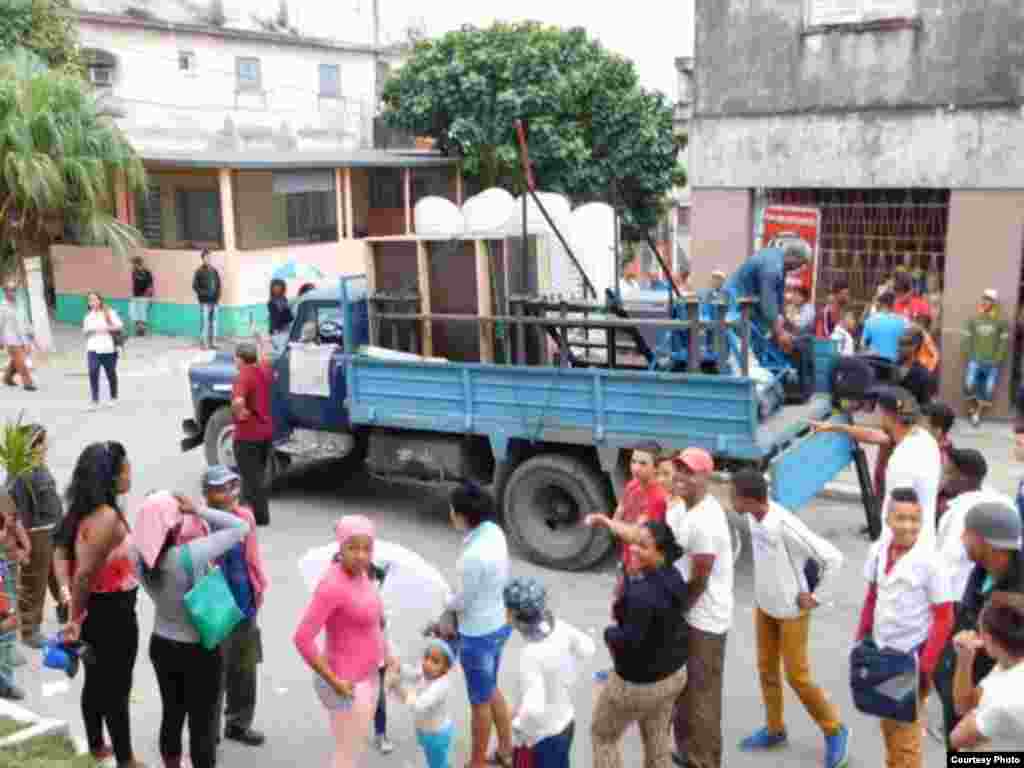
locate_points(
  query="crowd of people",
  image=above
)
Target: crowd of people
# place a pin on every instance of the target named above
(944, 588)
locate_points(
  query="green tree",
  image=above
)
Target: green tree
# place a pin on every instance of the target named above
(594, 132)
(45, 27)
(58, 160)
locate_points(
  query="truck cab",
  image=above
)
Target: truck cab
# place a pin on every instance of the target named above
(316, 337)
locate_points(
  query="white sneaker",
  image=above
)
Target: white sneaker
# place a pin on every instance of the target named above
(111, 404)
(975, 419)
(384, 746)
(93, 406)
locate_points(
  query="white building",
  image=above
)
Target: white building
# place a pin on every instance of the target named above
(185, 78)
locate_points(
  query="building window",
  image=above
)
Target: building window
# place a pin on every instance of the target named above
(249, 75)
(312, 217)
(198, 214)
(330, 81)
(186, 62)
(827, 13)
(101, 76)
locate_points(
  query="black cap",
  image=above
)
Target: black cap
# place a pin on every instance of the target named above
(969, 462)
(896, 400)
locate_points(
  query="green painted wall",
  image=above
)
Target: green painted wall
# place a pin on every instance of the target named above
(173, 319)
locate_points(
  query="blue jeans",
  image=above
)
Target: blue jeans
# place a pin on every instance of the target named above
(207, 323)
(481, 658)
(436, 745)
(980, 380)
(108, 361)
(553, 752)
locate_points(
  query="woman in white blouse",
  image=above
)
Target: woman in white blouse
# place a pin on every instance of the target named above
(100, 325)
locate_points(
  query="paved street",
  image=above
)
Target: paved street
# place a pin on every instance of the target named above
(147, 421)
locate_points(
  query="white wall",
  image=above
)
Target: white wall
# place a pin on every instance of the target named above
(167, 109)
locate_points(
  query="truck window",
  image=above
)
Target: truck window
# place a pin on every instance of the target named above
(318, 323)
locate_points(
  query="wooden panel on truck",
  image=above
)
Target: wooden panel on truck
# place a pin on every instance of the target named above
(454, 291)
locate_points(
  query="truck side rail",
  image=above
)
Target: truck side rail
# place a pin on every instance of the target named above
(585, 406)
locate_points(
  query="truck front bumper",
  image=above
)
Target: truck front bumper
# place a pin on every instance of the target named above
(193, 435)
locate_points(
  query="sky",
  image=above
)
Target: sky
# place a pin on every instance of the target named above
(650, 32)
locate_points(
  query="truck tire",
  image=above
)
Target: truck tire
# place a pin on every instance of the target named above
(220, 438)
(545, 501)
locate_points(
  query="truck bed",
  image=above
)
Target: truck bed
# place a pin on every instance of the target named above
(585, 406)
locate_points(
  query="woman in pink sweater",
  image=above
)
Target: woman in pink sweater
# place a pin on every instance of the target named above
(347, 605)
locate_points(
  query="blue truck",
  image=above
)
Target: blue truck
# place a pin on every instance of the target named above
(552, 442)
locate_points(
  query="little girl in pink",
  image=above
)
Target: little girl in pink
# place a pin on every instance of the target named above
(347, 606)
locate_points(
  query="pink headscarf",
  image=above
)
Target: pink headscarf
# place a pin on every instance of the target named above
(353, 525)
(158, 515)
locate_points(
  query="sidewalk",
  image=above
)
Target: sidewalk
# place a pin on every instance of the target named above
(141, 356)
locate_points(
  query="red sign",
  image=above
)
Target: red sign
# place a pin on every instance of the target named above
(783, 224)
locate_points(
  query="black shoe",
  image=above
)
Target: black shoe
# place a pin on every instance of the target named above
(678, 759)
(247, 736)
(62, 614)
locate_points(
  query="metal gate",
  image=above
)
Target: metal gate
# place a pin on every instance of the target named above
(866, 234)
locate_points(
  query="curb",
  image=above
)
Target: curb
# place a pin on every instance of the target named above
(41, 726)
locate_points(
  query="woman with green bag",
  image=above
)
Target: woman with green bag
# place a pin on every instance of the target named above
(176, 544)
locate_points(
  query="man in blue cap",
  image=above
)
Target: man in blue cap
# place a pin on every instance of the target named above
(243, 649)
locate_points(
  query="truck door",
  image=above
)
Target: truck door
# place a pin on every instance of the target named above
(309, 381)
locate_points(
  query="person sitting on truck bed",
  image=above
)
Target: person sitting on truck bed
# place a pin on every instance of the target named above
(763, 277)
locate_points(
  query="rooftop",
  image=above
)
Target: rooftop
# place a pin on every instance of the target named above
(269, 159)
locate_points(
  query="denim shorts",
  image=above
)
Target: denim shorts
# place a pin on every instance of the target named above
(481, 659)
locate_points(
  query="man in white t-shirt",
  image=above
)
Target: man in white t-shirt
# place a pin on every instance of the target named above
(916, 461)
(994, 709)
(702, 530)
(965, 478)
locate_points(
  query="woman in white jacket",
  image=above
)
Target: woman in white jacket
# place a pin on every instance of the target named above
(544, 720)
(100, 325)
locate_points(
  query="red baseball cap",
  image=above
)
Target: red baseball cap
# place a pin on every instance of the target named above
(697, 460)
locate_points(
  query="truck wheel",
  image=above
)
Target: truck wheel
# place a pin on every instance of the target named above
(220, 438)
(545, 501)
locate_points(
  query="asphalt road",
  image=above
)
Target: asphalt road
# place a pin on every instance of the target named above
(147, 421)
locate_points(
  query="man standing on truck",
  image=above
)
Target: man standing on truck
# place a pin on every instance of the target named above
(763, 277)
(207, 286)
(254, 429)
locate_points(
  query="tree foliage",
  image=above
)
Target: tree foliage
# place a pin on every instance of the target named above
(594, 132)
(44, 27)
(58, 160)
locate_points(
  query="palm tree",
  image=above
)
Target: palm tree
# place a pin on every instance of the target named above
(59, 156)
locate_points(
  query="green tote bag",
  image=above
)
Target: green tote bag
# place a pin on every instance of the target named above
(210, 604)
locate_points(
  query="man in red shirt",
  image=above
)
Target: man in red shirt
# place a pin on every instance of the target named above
(254, 429)
(912, 307)
(644, 500)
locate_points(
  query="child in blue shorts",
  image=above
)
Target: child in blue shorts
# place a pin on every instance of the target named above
(428, 698)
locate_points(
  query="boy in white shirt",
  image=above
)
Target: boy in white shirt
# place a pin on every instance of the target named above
(994, 710)
(784, 549)
(908, 609)
(544, 721)
(702, 530)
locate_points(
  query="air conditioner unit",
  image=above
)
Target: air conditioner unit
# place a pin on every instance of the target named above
(102, 76)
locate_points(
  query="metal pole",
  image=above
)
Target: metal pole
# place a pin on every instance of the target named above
(693, 315)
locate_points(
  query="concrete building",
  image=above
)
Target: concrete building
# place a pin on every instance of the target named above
(258, 144)
(902, 120)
